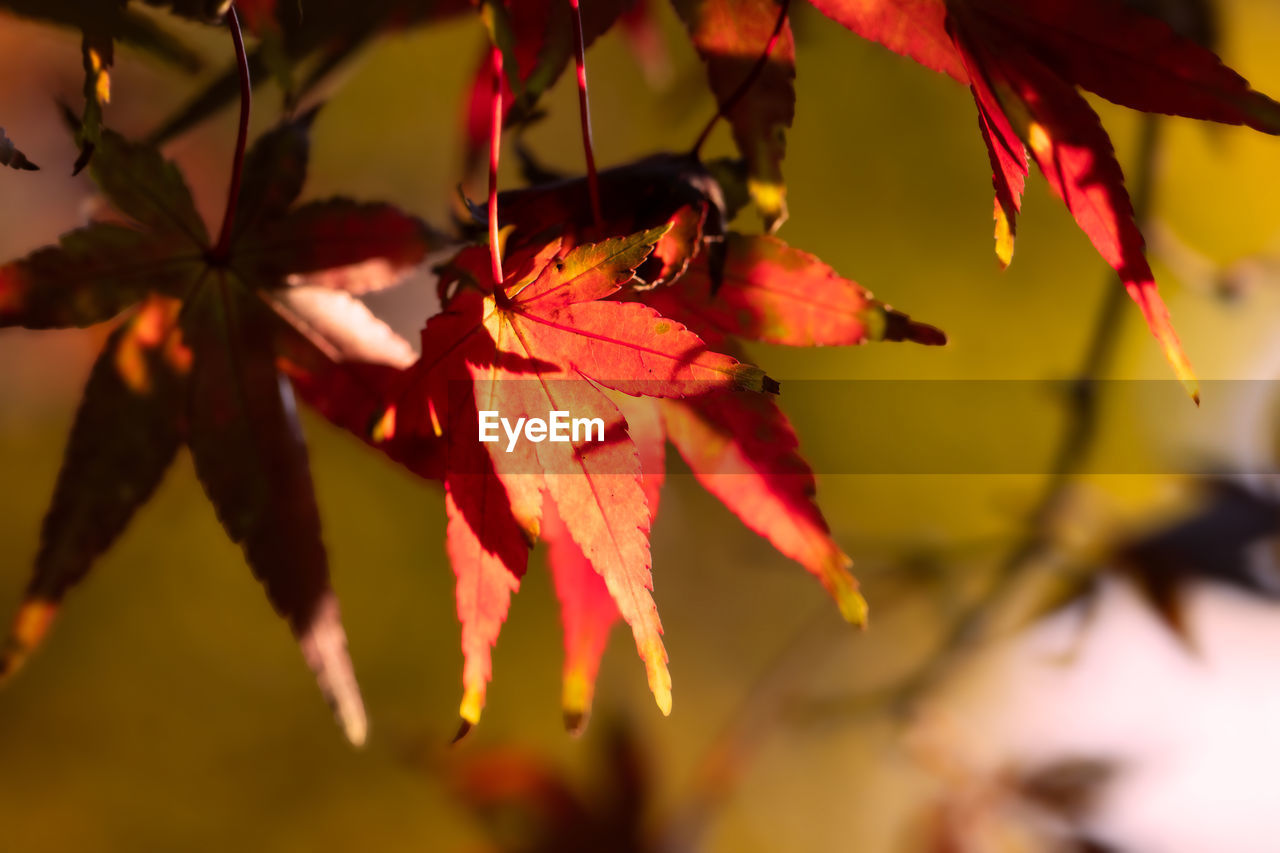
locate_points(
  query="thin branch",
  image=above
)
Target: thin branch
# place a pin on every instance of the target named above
(223, 246)
(1077, 440)
(726, 760)
(728, 104)
(584, 112)
(495, 146)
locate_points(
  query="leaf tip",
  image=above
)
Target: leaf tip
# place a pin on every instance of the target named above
(464, 728)
(82, 160)
(843, 587)
(748, 377)
(575, 722)
(575, 700)
(384, 428)
(30, 625)
(655, 662)
(770, 198)
(663, 697)
(1156, 313)
(1004, 237)
(471, 706)
(324, 646)
(900, 327)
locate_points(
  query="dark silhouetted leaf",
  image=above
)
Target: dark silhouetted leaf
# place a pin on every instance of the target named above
(13, 158)
(211, 378)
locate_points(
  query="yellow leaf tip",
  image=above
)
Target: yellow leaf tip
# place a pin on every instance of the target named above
(663, 697)
(1004, 238)
(843, 587)
(357, 731)
(384, 429)
(30, 626)
(471, 706)
(1038, 138)
(655, 661)
(854, 609)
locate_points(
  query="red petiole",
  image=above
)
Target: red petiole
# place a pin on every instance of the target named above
(730, 102)
(495, 145)
(223, 246)
(584, 110)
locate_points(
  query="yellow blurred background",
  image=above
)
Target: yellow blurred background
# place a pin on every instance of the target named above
(169, 709)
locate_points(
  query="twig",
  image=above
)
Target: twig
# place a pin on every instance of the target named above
(725, 761)
(1077, 439)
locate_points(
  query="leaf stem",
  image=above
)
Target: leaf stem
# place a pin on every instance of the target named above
(584, 112)
(728, 104)
(222, 248)
(495, 146)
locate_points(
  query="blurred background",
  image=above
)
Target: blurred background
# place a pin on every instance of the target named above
(169, 709)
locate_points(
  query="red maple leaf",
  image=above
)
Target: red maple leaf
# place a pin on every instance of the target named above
(548, 339)
(739, 446)
(567, 330)
(1023, 61)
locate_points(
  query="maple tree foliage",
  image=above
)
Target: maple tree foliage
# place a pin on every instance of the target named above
(622, 296)
(195, 363)
(1023, 63)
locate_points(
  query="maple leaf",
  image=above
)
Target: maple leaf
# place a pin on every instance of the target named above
(548, 339)
(742, 449)
(1212, 544)
(12, 157)
(587, 611)
(770, 292)
(750, 57)
(529, 350)
(1023, 62)
(196, 363)
(1193, 19)
(739, 446)
(1215, 542)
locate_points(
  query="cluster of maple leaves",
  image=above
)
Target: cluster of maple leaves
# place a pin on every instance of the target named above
(621, 296)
